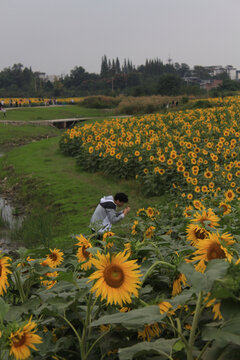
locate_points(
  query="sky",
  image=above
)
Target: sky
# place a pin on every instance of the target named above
(54, 36)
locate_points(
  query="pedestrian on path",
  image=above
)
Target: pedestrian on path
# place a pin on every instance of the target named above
(3, 110)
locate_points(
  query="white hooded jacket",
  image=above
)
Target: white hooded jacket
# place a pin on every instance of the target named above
(105, 215)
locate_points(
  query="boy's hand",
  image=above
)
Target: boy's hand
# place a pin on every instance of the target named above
(126, 210)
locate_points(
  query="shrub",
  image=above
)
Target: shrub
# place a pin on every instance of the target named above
(100, 102)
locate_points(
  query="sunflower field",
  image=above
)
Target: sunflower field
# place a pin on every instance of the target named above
(38, 101)
(170, 287)
(195, 151)
(170, 291)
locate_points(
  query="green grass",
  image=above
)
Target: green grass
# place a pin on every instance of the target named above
(51, 113)
(53, 187)
(18, 135)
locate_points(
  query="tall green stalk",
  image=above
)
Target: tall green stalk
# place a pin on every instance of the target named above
(192, 336)
(19, 285)
(163, 263)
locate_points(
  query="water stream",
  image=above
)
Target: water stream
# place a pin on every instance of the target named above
(9, 221)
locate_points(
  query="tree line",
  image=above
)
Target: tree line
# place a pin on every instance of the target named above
(152, 78)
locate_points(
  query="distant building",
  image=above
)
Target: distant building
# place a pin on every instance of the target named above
(215, 70)
(195, 79)
(237, 74)
(214, 84)
(50, 78)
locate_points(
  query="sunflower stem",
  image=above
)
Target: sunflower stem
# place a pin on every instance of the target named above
(157, 251)
(164, 263)
(85, 326)
(95, 342)
(204, 349)
(197, 314)
(179, 333)
(19, 285)
(143, 302)
(75, 331)
(90, 318)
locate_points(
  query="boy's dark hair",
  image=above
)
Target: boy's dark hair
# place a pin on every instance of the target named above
(121, 197)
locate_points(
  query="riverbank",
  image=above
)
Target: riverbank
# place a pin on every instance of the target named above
(12, 136)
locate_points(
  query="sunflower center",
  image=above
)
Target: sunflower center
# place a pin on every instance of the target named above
(224, 206)
(199, 234)
(215, 252)
(20, 340)
(114, 276)
(84, 252)
(53, 256)
(0, 270)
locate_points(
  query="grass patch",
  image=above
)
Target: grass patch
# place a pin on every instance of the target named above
(51, 184)
(17, 135)
(51, 113)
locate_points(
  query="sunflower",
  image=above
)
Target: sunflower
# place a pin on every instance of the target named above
(4, 271)
(227, 238)
(107, 235)
(149, 232)
(49, 283)
(135, 223)
(215, 307)
(194, 181)
(217, 312)
(204, 188)
(229, 195)
(206, 216)
(83, 255)
(226, 208)
(150, 212)
(211, 185)
(187, 211)
(127, 247)
(124, 309)
(196, 233)
(55, 258)
(213, 247)
(104, 328)
(23, 339)
(164, 306)
(117, 278)
(198, 205)
(149, 332)
(177, 288)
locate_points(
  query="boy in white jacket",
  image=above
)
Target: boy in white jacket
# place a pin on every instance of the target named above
(105, 213)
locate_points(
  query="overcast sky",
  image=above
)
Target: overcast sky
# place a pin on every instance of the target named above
(54, 36)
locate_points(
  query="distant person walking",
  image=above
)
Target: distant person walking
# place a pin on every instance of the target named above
(3, 110)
